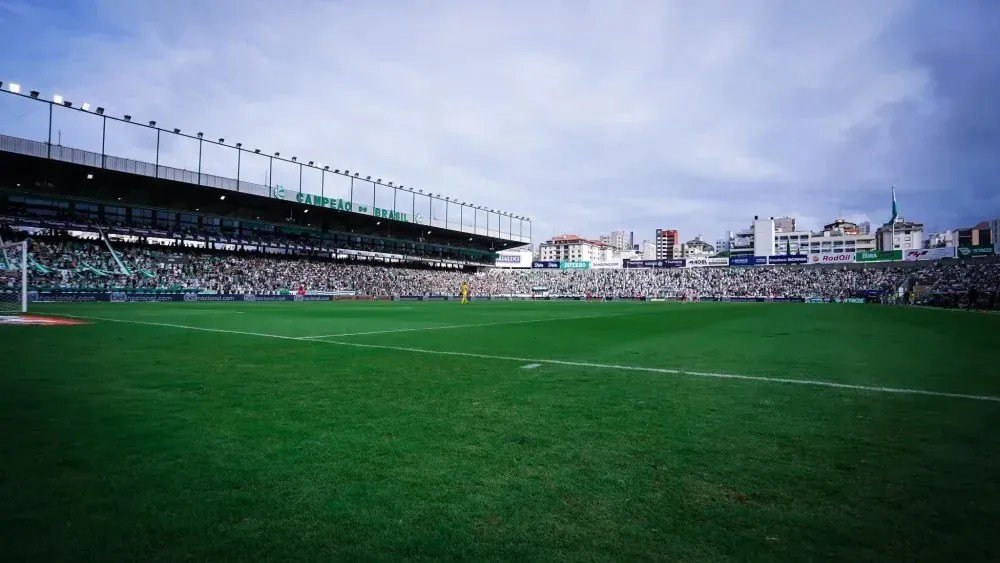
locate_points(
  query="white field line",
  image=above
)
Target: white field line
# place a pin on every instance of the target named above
(531, 366)
(668, 371)
(499, 323)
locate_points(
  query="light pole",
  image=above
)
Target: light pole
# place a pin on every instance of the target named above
(200, 141)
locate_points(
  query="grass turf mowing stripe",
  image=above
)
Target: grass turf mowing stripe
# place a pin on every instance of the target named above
(669, 371)
(498, 323)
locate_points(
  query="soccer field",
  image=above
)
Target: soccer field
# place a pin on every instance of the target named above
(501, 430)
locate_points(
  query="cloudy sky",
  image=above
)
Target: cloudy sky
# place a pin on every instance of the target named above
(585, 116)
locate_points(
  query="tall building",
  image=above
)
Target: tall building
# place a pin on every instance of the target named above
(668, 244)
(902, 235)
(724, 244)
(619, 240)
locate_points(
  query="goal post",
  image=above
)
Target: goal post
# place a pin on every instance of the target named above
(13, 278)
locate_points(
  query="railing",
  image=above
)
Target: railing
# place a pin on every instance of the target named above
(81, 157)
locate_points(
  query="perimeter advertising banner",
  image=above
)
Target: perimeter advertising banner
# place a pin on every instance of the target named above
(513, 259)
(748, 260)
(608, 265)
(705, 262)
(574, 265)
(545, 264)
(788, 259)
(981, 251)
(675, 263)
(878, 256)
(930, 253)
(831, 258)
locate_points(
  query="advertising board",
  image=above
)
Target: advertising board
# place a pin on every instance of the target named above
(674, 263)
(606, 265)
(981, 251)
(788, 259)
(513, 259)
(747, 260)
(831, 258)
(930, 253)
(878, 256)
(545, 264)
(705, 262)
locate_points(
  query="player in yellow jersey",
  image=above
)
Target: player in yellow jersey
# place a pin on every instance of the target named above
(465, 292)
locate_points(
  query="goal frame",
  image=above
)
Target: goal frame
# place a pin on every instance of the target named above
(24, 271)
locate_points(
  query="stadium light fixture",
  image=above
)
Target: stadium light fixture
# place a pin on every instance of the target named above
(90, 176)
(346, 171)
(379, 181)
(200, 134)
(311, 163)
(368, 177)
(355, 174)
(295, 159)
(326, 168)
(128, 118)
(152, 123)
(337, 171)
(222, 198)
(277, 154)
(85, 106)
(99, 111)
(390, 183)
(68, 103)
(239, 145)
(14, 87)
(256, 151)
(176, 130)
(221, 140)
(57, 99)
(34, 94)
(420, 191)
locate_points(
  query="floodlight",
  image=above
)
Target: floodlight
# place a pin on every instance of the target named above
(85, 106)
(200, 134)
(222, 197)
(57, 99)
(128, 118)
(99, 111)
(90, 176)
(176, 130)
(238, 145)
(221, 140)
(15, 88)
(152, 123)
(256, 151)
(34, 93)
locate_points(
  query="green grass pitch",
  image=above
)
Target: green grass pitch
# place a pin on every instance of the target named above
(221, 431)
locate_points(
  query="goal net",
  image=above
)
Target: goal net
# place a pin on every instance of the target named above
(13, 278)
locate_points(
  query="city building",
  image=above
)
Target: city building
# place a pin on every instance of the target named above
(574, 248)
(725, 244)
(764, 239)
(619, 240)
(841, 237)
(902, 235)
(941, 240)
(645, 250)
(696, 248)
(668, 244)
(784, 224)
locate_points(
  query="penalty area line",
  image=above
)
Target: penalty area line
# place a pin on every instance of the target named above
(594, 365)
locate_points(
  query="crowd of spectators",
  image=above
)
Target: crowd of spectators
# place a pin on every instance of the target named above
(73, 264)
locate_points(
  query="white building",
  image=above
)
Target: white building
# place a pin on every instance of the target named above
(724, 244)
(944, 239)
(574, 248)
(902, 235)
(619, 240)
(764, 239)
(645, 250)
(697, 248)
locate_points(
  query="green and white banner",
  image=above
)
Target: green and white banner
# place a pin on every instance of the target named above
(879, 256)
